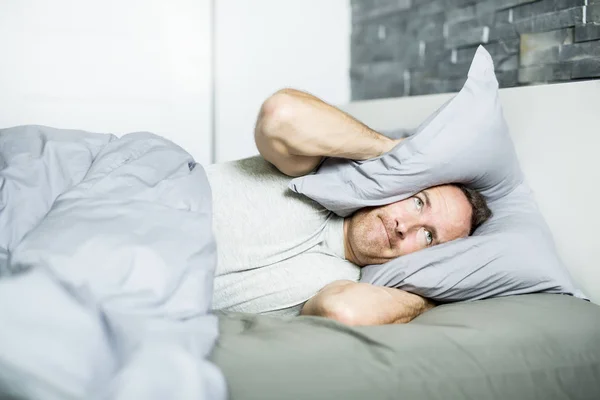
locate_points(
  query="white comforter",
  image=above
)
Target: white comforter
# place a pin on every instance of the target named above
(106, 260)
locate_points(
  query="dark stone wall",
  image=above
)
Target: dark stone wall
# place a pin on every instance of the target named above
(415, 47)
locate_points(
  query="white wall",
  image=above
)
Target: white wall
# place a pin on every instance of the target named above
(109, 66)
(265, 45)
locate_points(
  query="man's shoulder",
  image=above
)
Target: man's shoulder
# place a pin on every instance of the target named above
(255, 179)
(249, 177)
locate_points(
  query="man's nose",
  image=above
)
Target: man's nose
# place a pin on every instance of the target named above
(401, 229)
(406, 227)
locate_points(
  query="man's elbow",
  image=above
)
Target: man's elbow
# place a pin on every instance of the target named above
(344, 315)
(275, 112)
(337, 310)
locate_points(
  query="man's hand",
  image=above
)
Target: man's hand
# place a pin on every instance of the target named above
(364, 304)
(295, 130)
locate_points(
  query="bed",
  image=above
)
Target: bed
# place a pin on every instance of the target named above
(544, 346)
(103, 312)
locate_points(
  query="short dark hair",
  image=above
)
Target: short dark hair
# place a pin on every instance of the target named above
(480, 210)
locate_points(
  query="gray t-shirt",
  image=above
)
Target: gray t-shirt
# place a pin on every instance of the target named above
(276, 249)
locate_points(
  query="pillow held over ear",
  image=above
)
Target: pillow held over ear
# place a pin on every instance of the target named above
(466, 141)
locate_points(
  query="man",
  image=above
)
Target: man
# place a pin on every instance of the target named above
(281, 253)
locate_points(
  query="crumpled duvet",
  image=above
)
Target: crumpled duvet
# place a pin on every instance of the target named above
(107, 260)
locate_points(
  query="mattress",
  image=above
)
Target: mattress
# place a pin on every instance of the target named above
(538, 346)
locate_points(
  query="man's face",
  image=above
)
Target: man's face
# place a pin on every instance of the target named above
(375, 235)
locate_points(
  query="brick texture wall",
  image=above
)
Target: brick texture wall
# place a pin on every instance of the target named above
(415, 47)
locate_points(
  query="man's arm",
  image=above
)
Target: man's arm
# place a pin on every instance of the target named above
(295, 130)
(355, 303)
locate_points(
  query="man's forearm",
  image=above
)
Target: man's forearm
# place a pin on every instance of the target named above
(295, 130)
(364, 304)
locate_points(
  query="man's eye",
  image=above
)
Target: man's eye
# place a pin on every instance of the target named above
(418, 203)
(428, 238)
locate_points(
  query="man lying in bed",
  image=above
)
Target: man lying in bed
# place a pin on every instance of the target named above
(281, 253)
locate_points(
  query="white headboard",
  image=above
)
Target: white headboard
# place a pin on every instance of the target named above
(556, 132)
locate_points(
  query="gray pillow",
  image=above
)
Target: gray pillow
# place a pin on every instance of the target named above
(466, 141)
(538, 346)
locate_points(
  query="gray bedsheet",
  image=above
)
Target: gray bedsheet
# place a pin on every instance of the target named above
(107, 261)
